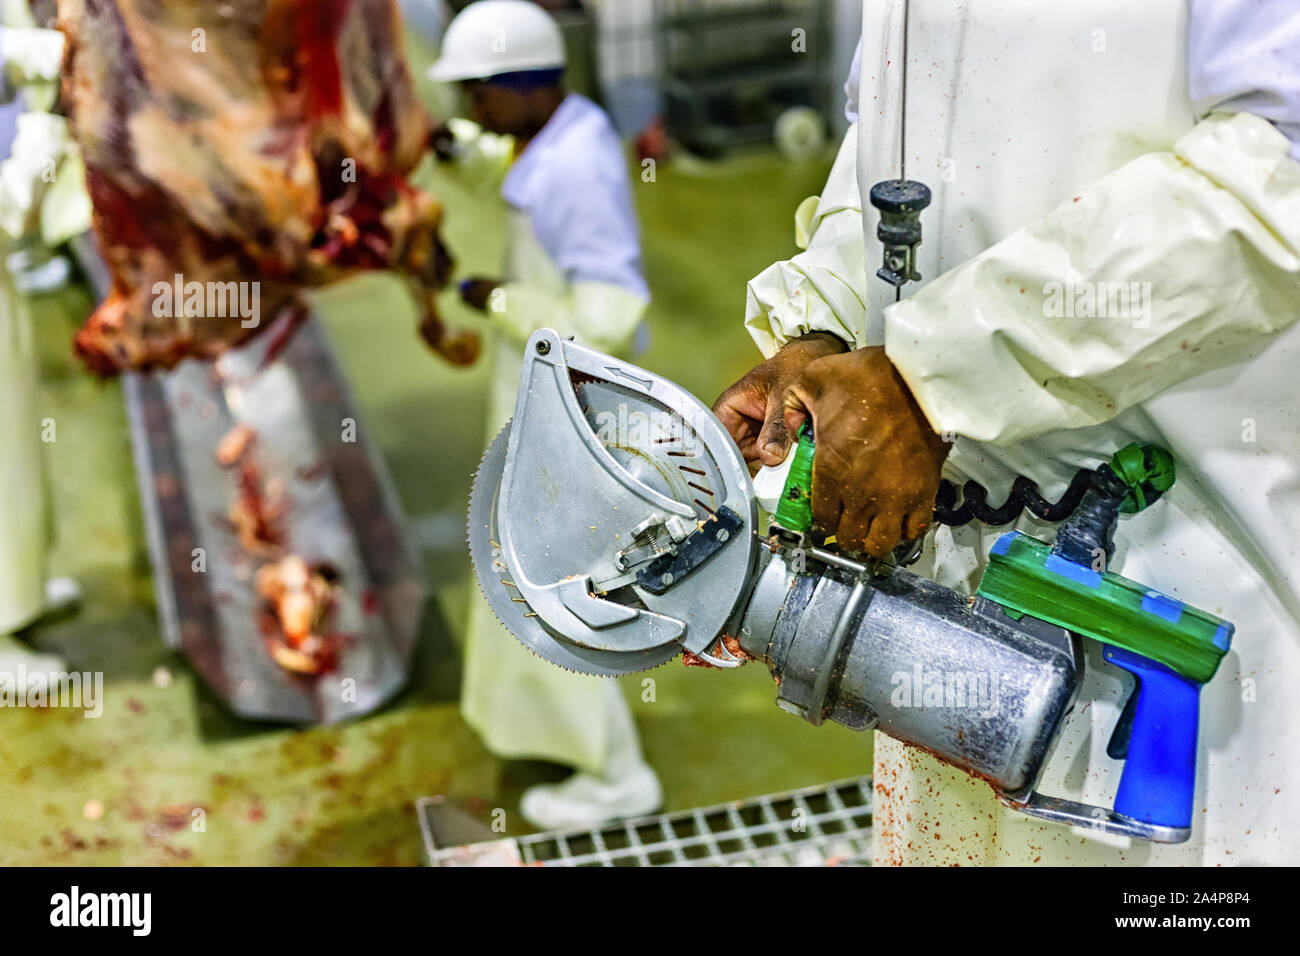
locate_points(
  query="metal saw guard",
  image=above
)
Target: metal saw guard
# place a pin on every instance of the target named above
(562, 488)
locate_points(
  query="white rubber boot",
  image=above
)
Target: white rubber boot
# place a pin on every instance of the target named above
(628, 788)
(62, 595)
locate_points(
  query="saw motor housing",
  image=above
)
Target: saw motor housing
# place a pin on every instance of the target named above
(856, 647)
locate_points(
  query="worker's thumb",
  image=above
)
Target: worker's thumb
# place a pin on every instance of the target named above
(774, 439)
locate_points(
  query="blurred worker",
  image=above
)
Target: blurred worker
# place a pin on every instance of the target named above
(1077, 148)
(40, 200)
(573, 263)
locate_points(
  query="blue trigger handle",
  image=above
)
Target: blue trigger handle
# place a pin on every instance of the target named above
(1158, 782)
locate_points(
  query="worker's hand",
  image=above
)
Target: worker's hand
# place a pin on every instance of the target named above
(877, 465)
(476, 292)
(443, 143)
(751, 410)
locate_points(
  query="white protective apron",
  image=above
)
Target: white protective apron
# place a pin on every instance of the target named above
(23, 526)
(1014, 106)
(518, 703)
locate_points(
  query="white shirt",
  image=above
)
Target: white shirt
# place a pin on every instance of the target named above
(572, 182)
(1242, 57)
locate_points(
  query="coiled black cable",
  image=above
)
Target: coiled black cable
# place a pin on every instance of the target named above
(1135, 477)
(1024, 496)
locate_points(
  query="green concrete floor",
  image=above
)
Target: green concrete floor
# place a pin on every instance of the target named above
(124, 789)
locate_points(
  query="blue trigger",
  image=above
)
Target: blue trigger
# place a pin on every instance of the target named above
(1159, 778)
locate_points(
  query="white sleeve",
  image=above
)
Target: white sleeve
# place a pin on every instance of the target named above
(600, 315)
(1190, 257)
(481, 159)
(40, 147)
(823, 288)
(1176, 263)
(31, 55)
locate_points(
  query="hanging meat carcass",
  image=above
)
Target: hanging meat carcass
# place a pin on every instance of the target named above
(237, 142)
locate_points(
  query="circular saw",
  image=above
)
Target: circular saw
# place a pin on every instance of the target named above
(612, 521)
(612, 526)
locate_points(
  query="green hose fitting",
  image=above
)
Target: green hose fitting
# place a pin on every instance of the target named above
(1147, 470)
(794, 511)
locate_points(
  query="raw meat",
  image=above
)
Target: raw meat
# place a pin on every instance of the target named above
(255, 148)
(302, 600)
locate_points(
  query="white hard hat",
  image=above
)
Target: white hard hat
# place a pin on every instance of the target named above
(491, 37)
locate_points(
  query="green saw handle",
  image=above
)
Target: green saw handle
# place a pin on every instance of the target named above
(794, 510)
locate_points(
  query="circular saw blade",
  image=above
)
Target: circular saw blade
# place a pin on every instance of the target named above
(512, 611)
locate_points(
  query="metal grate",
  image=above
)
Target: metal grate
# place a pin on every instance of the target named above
(816, 826)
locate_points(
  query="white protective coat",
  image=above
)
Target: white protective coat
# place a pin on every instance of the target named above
(29, 61)
(572, 264)
(23, 525)
(1071, 150)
